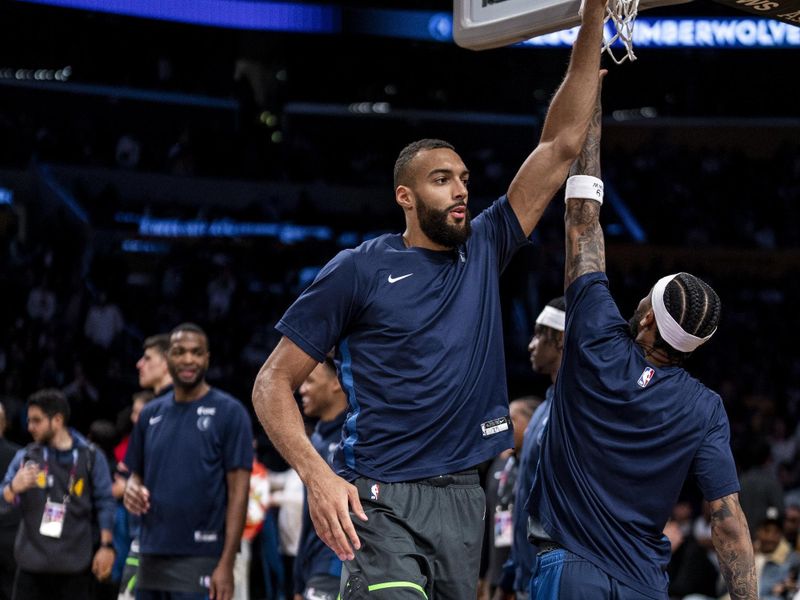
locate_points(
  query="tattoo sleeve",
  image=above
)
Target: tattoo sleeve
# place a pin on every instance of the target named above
(731, 538)
(586, 251)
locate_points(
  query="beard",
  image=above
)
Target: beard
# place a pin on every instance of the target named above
(46, 437)
(198, 378)
(633, 323)
(434, 225)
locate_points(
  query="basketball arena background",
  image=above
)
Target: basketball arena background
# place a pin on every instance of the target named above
(201, 160)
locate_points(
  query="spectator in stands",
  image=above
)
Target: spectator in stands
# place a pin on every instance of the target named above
(41, 303)
(690, 570)
(103, 322)
(196, 437)
(773, 555)
(220, 291)
(760, 486)
(83, 397)
(61, 484)
(791, 524)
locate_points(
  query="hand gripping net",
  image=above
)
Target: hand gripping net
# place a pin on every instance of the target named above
(623, 14)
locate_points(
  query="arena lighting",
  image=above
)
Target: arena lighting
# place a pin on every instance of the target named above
(233, 14)
(144, 247)
(287, 233)
(645, 112)
(36, 74)
(6, 196)
(368, 108)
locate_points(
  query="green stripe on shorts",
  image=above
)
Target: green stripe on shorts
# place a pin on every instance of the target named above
(394, 584)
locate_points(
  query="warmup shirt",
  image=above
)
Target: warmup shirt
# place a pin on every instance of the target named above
(419, 350)
(314, 557)
(622, 437)
(183, 451)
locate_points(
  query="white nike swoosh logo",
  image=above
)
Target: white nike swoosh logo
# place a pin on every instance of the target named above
(154, 420)
(396, 279)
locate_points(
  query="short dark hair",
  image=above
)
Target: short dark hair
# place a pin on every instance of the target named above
(694, 305)
(51, 402)
(160, 342)
(143, 396)
(190, 328)
(328, 362)
(560, 303)
(528, 405)
(408, 153)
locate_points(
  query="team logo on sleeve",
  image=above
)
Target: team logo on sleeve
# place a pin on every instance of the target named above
(645, 377)
(374, 491)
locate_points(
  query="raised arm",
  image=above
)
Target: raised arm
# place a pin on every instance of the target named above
(586, 251)
(731, 538)
(565, 126)
(329, 497)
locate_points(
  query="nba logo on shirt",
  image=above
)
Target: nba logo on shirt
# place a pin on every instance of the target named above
(645, 377)
(374, 491)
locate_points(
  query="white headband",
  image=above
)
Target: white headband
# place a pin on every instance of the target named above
(668, 327)
(552, 317)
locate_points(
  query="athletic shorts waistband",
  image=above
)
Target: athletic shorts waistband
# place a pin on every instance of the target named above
(467, 477)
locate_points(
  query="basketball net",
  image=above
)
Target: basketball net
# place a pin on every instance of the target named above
(623, 14)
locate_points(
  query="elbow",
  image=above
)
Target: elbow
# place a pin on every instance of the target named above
(731, 532)
(265, 381)
(272, 382)
(567, 145)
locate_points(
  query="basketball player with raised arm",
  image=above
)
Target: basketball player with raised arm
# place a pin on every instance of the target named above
(628, 424)
(415, 320)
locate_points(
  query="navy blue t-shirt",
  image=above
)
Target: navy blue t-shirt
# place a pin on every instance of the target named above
(419, 349)
(183, 452)
(623, 436)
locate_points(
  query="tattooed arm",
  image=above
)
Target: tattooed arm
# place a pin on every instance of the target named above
(731, 538)
(586, 251)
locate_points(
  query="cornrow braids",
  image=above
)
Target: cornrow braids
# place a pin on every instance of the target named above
(694, 305)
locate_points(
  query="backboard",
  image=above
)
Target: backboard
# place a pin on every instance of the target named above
(484, 24)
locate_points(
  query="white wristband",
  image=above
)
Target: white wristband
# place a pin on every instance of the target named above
(584, 186)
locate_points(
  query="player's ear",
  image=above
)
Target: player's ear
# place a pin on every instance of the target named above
(648, 320)
(404, 197)
(559, 340)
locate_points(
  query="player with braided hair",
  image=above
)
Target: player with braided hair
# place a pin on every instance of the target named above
(627, 425)
(693, 304)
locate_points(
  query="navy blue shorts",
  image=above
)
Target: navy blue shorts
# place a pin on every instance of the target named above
(562, 575)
